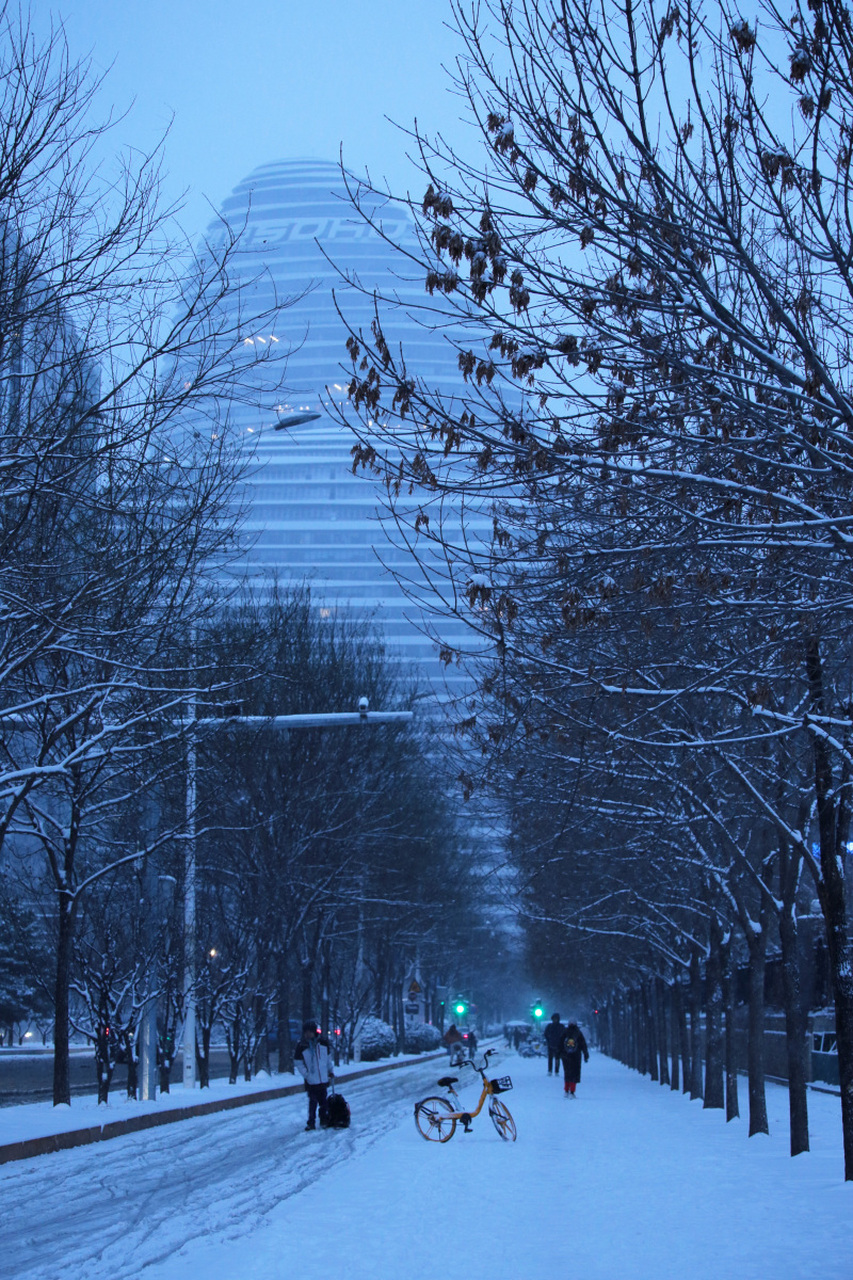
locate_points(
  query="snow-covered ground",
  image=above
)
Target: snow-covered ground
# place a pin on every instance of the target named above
(628, 1182)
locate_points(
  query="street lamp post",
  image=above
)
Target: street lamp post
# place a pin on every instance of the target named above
(308, 720)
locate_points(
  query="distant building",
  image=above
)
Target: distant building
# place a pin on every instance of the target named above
(309, 515)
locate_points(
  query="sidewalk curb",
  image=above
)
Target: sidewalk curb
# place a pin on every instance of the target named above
(29, 1147)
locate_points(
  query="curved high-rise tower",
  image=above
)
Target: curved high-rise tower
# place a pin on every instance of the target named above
(309, 516)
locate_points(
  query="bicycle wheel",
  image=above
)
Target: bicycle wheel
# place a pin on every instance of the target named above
(502, 1120)
(434, 1118)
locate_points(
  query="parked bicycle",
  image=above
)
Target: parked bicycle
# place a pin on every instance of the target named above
(436, 1118)
(532, 1049)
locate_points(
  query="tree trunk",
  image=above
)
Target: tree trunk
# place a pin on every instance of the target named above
(166, 1059)
(605, 1029)
(841, 961)
(202, 1057)
(103, 1066)
(629, 1019)
(261, 1056)
(132, 1052)
(307, 973)
(104, 1051)
(650, 1036)
(661, 1003)
(234, 1042)
(757, 947)
(336, 1033)
(732, 1105)
(61, 1049)
(324, 996)
(618, 1041)
(795, 1022)
(833, 823)
(674, 1031)
(401, 1016)
(684, 1039)
(695, 1027)
(623, 1030)
(285, 1047)
(638, 1031)
(714, 1093)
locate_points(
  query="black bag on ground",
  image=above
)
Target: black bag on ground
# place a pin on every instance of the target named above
(337, 1112)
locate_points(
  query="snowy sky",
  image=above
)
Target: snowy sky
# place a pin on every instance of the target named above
(247, 84)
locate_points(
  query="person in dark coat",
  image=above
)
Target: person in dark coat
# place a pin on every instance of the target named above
(455, 1045)
(572, 1049)
(554, 1033)
(312, 1058)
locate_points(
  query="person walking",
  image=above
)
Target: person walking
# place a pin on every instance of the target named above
(572, 1049)
(554, 1033)
(313, 1060)
(454, 1044)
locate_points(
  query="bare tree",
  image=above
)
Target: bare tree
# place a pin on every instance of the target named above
(653, 271)
(119, 470)
(334, 856)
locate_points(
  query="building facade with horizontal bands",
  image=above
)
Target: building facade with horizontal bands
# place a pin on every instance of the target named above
(309, 515)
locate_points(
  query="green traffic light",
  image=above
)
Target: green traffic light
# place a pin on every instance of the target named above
(460, 1009)
(538, 1012)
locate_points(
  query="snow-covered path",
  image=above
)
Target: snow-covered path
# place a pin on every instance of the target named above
(628, 1182)
(117, 1208)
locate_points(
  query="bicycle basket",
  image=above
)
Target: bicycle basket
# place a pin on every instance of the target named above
(502, 1085)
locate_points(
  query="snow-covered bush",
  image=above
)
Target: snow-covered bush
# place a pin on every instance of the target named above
(377, 1039)
(422, 1038)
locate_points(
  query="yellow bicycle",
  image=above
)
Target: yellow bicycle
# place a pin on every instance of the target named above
(436, 1118)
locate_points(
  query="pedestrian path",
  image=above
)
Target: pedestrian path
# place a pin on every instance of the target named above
(627, 1182)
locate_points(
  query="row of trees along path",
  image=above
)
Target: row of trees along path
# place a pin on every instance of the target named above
(119, 473)
(643, 265)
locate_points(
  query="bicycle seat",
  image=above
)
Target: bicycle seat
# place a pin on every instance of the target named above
(447, 1081)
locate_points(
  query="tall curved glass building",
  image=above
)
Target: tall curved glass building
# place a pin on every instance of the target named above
(309, 516)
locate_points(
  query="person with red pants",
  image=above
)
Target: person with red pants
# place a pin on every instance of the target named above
(572, 1049)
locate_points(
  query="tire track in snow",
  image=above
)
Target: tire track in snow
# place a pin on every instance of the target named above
(119, 1207)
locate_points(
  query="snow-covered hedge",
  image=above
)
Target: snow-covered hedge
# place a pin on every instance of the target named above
(422, 1038)
(377, 1039)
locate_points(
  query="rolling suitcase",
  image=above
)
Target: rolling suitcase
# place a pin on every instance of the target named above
(337, 1111)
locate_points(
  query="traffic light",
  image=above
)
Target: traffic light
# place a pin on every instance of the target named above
(538, 1011)
(460, 1008)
